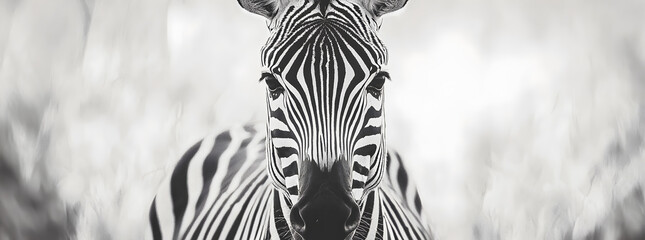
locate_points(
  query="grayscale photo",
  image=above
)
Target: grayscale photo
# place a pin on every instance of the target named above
(322, 119)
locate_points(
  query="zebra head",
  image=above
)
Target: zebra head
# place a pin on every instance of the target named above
(326, 131)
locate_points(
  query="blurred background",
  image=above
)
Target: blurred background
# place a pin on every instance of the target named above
(520, 119)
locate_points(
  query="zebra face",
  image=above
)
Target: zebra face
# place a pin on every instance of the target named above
(326, 131)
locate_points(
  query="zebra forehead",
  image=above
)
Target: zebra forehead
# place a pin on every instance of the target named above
(298, 14)
(345, 34)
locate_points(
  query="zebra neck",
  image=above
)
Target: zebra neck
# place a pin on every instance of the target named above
(370, 227)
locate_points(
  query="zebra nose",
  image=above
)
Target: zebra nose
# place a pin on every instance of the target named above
(326, 216)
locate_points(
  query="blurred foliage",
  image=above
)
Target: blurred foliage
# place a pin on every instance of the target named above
(521, 119)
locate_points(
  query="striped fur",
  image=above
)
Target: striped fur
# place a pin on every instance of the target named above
(220, 190)
(324, 75)
(328, 110)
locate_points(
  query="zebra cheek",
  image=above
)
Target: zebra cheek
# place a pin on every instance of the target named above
(359, 175)
(277, 103)
(293, 198)
(357, 194)
(375, 102)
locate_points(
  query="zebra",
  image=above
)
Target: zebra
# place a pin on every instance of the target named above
(319, 167)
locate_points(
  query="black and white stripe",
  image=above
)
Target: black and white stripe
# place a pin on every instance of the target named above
(324, 75)
(323, 64)
(220, 189)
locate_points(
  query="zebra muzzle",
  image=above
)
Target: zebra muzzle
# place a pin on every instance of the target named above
(326, 208)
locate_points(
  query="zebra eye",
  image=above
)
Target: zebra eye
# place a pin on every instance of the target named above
(275, 89)
(376, 85)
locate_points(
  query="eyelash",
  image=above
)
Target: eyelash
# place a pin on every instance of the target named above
(276, 93)
(275, 89)
(376, 85)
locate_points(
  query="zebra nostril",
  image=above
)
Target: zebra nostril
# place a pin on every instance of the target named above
(354, 218)
(297, 222)
(326, 216)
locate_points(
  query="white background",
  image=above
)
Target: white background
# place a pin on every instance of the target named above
(518, 119)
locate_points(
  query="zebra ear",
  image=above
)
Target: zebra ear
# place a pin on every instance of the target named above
(266, 8)
(379, 8)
